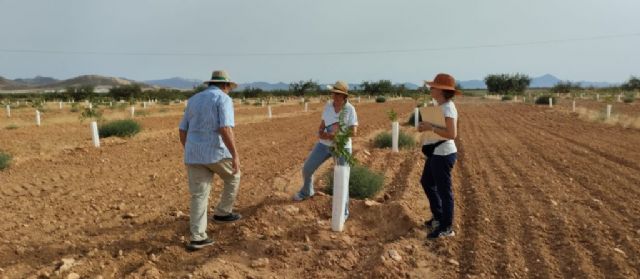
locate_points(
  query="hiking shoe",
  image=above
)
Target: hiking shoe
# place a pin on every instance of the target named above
(197, 245)
(431, 224)
(299, 197)
(441, 232)
(231, 217)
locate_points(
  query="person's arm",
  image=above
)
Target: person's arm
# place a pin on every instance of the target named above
(450, 131)
(183, 137)
(229, 142)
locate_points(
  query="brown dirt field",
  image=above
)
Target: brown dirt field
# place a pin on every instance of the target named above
(539, 194)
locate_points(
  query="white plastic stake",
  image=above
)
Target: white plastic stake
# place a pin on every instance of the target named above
(550, 102)
(358, 99)
(60, 105)
(524, 99)
(573, 106)
(340, 196)
(94, 133)
(395, 134)
(38, 118)
(597, 97)
(8, 111)
(144, 104)
(515, 98)
(416, 114)
(306, 107)
(133, 111)
(269, 111)
(609, 111)
(110, 104)
(619, 96)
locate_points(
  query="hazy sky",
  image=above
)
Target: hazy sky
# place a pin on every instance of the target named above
(353, 40)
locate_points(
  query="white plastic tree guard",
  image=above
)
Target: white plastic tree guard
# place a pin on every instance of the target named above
(8, 111)
(619, 98)
(340, 196)
(94, 134)
(60, 105)
(133, 111)
(597, 97)
(358, 99)
(269, 111)
(573, 106)
(609, 111)
(38, 118)
(144, 104)
(550, 102)
(395, 134)
(416, 114)
(306, 107)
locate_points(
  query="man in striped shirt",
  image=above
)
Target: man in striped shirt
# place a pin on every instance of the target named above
(206, 133)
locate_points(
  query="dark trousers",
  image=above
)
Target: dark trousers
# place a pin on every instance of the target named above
(436, 183)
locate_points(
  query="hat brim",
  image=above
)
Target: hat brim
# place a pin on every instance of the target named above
(443, 87)
(335, 90)
(233, 84)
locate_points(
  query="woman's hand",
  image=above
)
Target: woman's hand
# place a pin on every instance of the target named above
(424, 126)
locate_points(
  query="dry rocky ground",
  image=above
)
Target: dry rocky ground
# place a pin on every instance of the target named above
(539, 194)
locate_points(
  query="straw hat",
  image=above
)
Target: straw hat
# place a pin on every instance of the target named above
(445, 82)
(221, 76)
(339, 87)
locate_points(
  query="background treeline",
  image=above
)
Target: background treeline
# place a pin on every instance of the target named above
(501, 84)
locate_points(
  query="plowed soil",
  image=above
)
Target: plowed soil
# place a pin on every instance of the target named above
(539, 194)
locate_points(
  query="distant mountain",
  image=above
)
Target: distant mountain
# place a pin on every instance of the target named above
(37, 81)
(175, 82)
(264, 86)
(545, 81)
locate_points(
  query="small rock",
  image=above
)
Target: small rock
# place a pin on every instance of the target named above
(153, 258)
(620, 251)
(128, 215)
(73, 275)
(394, 255)
(366, 152)
(98, 277)
(453, 262)
(178, 214)
(370, 203)
(260, 263)
(120, 253)
(152, 272)
(66, 264)
(555, 203)
(291, 209)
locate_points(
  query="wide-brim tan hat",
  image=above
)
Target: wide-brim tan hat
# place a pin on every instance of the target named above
(221, 76)
(340, 87)
(443, 81)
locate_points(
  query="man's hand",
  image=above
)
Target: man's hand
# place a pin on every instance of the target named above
(235, 163)
(424, 126)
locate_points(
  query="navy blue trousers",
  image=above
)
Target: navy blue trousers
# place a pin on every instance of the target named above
(436, 183)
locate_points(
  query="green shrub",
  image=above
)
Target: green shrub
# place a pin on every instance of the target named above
(74, 107)
(119, 128)
(91, 113)
(363, 183)
(383, 140)
(381, 99)
(629, 98)
(11, 127)
(544, 100)
(507, 98)
(5, 160)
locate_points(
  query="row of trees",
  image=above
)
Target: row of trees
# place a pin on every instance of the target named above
(504, 84)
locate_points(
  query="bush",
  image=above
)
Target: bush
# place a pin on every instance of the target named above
(383, 140)
(74, 107)
(119, 128)
(363, 183)
(90, 113)
(381, 99)
(544, 100)
(11, 127)
(507, 98)
(629, 98)
(5, 160)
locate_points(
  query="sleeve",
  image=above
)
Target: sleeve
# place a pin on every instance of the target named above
(225, 113)
(450, 111)
(184, 123)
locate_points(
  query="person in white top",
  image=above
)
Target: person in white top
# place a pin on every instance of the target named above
(441, 156)
(329, 125)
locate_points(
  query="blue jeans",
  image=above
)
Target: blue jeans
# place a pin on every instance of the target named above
(318, 155)
(436, 183)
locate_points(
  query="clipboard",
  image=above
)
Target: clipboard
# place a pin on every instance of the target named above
(435, 116)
